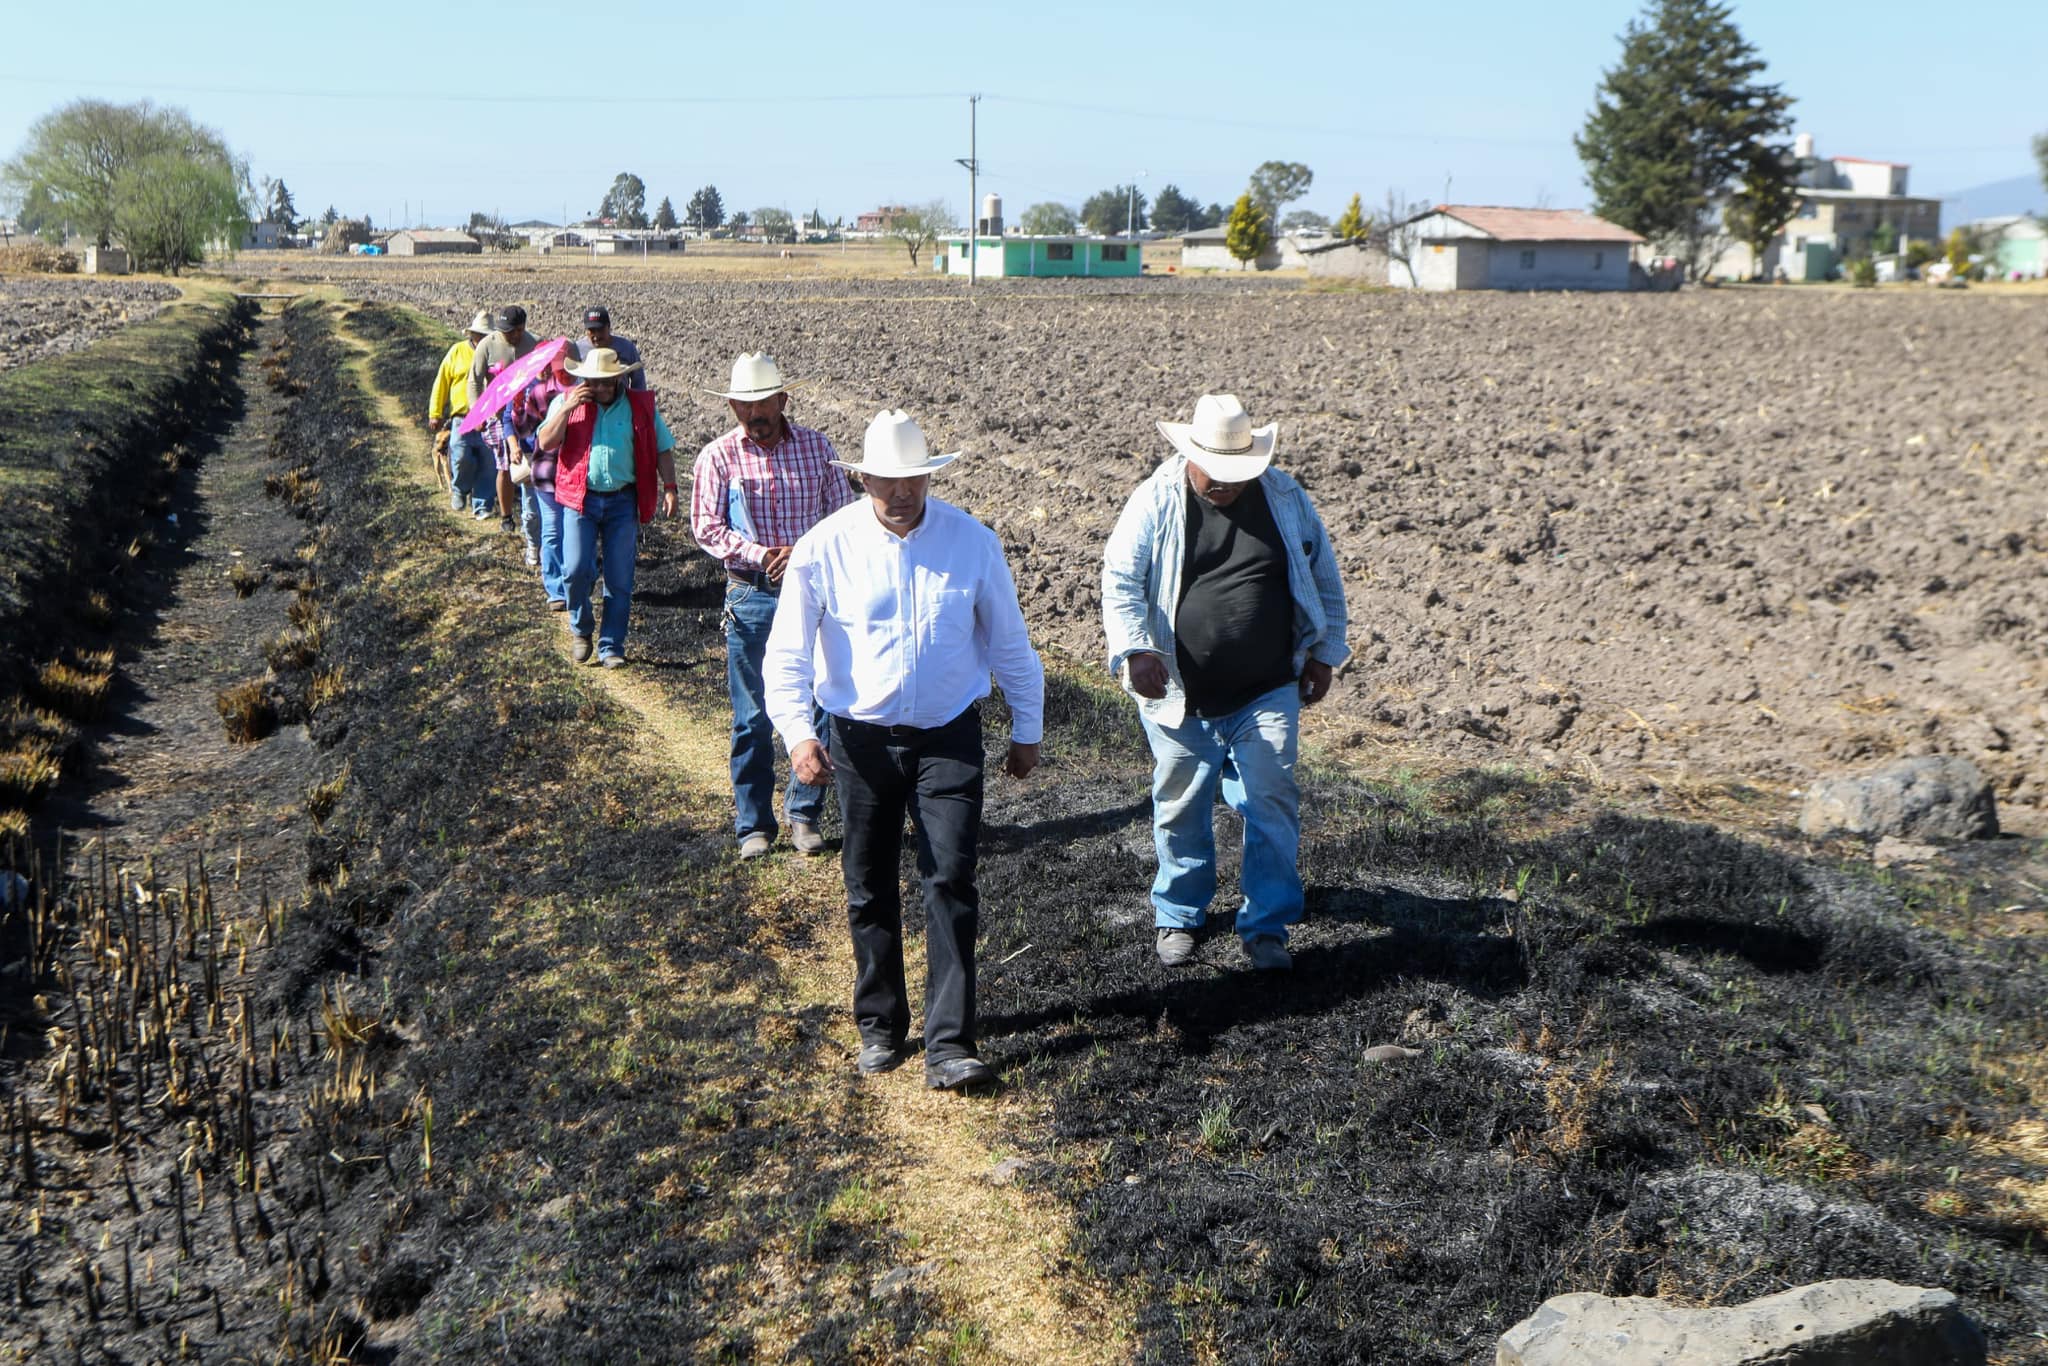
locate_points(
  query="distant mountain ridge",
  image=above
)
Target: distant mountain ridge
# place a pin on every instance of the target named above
(2019, 194)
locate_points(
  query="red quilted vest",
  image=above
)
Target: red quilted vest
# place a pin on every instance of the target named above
(572, 473)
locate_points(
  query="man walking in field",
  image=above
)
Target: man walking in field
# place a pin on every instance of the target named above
(597, 333)
(1225, 616)
(506, 344)
(895, 611)
(614, 451)
(468, 455)
(753, 493)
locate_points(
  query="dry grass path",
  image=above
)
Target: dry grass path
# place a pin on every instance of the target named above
(996, 1252)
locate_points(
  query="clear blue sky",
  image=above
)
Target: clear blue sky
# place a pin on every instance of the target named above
(526, 109)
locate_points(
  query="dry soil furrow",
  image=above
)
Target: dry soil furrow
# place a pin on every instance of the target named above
(997, 1252)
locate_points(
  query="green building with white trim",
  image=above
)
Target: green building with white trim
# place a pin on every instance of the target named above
(1038, 256)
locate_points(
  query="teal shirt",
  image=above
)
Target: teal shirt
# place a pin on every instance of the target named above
(611, 444)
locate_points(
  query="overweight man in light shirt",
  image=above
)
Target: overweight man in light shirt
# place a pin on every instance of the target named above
(895, 612)
(753, 492)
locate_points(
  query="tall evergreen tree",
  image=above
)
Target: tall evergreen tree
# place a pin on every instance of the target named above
(2041, 157)
(1678, 123)
(1353, 222)
(1173, 211)
(665, 216)
(1249, 232)
(705, 209)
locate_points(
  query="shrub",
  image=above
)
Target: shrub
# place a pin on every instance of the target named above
(247, 711)
(1863, 272)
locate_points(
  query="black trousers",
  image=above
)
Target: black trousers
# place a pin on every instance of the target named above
(935, 777)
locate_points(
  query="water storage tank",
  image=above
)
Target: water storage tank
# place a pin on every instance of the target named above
(1802, 146)
(991, 224)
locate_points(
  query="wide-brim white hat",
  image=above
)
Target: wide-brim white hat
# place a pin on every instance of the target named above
(481, 322)
(1222, 442)
(601, 363)
(894, 448)
(755, 376)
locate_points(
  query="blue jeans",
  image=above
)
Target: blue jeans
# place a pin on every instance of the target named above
(470, 468)
(608, 526)
(1249, 756)
(748, 614)
(543, 503)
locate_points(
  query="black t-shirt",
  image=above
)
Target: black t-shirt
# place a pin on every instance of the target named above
(1234, 630)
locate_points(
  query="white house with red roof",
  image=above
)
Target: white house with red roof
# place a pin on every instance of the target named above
(1476, 246)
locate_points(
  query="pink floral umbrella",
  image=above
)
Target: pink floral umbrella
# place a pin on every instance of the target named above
(511, 380)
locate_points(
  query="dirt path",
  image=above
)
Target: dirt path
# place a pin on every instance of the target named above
(997, 1251)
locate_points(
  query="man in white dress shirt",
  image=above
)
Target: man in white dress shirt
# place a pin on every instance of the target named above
(895, 611)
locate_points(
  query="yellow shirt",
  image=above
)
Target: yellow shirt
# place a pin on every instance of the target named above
(451, 385)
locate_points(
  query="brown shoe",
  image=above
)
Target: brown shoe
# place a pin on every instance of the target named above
(805, 839)
(579, 649)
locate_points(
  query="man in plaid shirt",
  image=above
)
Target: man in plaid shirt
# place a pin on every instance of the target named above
(754, 491)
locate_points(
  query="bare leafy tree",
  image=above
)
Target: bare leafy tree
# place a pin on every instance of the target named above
(1047, 220)
(1401, 241)
(920, 226)
(776, 225)
(168, 209)
(1276, 184)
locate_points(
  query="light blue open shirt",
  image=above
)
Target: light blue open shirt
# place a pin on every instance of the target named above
(1141, 579)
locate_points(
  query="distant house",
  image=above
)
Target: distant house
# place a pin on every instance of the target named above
(1205, 249)
(1843, 202)
(264, 237)
(431, 242)
(625, 242)
(548, 238)
(1038, 257)
(1348, 258)
(2015, 245)
(880, 220)
(1474, 246)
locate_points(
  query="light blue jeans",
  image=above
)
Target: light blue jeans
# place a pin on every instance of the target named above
(608, 526)
(542, 500)
(1247, 756)
(471, 472)
(749, 612)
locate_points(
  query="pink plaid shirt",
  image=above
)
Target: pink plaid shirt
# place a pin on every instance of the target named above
(744, 498)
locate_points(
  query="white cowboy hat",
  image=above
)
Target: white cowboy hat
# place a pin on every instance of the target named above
(601, 363)
(1221, 441)
(894, 448)
(755, 376)
(481, 322)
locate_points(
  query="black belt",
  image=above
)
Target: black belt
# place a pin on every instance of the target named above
(753, 578)
(903, 732)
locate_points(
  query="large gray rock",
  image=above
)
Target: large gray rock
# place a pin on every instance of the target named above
(1935, 797)
(1832, 1323)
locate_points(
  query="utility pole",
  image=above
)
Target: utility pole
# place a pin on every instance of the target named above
(973, 164)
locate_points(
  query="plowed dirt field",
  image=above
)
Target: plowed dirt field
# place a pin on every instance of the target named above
(47, 315)
(1736, 537)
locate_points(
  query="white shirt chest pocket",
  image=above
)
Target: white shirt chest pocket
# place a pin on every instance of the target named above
(947, 618)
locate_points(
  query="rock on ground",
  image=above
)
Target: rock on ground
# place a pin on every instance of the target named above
(1831, 1323)
(1932, 797)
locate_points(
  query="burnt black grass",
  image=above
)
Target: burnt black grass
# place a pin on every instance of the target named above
(1653, 1056)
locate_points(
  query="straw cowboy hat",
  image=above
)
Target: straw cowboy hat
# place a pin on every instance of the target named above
(894, 448)
(755, 376)
(1221, 441)
(601, 363)
(481, 323)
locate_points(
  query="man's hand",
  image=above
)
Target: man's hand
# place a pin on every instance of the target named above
(668, 503)
(435, 424)
(1315, 682)
(581, 394)
(811, 764)
(1148, 674)
(775, 562)
(1021, 759)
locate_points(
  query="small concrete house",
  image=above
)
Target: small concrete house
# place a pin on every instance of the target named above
(1205, 249)
(2016, 245)
(432, 242)
(1038, 257)
(1472, 246)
